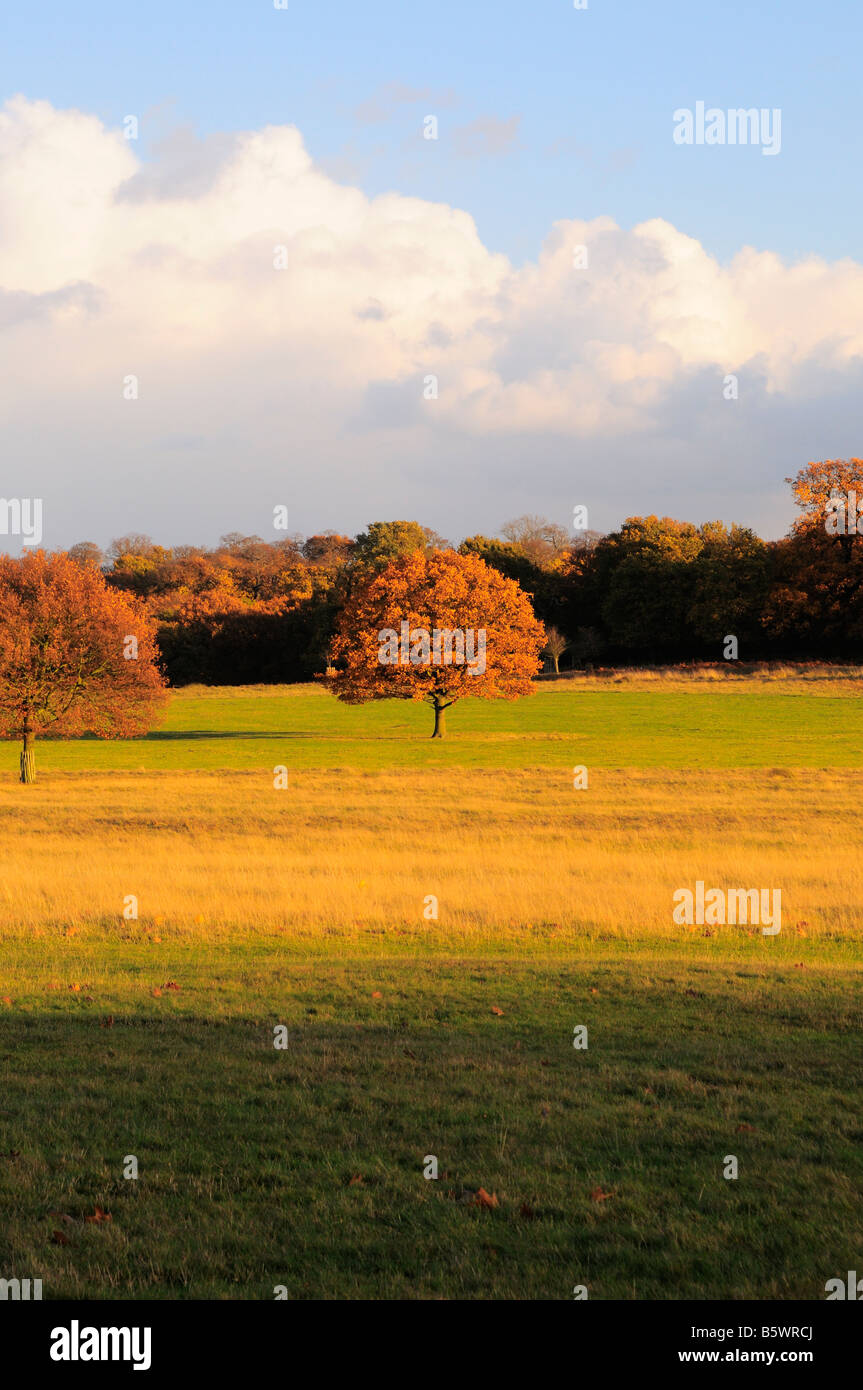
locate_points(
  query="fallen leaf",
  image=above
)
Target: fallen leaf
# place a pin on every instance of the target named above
(597, 1195)
(486, 1199)
(6, 999)
(798, 965)
(99, 1215)
(745, 1129)
(356, 1181)
(75, 988)
(376, 994)
(172, 986)
(496, 1011)
(156, 993)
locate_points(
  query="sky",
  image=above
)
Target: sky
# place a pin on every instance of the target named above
(236, 275)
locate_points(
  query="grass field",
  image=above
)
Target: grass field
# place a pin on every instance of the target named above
(452, 1037)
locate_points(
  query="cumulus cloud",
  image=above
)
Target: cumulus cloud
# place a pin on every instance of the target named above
(287, 323)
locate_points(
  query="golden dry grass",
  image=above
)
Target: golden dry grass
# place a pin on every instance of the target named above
(787, 677)
(514, 858)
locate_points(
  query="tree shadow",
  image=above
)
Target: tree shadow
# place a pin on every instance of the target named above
(165, 734)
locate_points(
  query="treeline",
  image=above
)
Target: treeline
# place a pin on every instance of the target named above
(656, 591)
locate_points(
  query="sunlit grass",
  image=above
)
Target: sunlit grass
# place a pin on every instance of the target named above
(516, 860)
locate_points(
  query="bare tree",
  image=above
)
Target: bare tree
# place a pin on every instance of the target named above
(555, 646)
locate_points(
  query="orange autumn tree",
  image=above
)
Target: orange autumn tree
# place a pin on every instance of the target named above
(436, 626)
(75, 655)
(818, 488)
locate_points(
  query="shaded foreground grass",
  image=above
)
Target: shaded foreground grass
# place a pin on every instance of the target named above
(304, 1167)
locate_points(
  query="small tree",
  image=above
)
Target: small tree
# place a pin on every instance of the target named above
(436, 626)
(75, 655)
(555, 646)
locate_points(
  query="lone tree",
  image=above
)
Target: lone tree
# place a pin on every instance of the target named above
(75, 655)
(436, 626)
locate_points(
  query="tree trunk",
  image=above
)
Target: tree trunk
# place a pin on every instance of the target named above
(557, 664)
(28, 758)
(439, 721)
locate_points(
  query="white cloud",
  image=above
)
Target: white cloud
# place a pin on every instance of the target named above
(110, 267)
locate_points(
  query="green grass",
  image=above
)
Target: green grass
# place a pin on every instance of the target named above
(247, 1154)
(303, 1168)
(305, 727)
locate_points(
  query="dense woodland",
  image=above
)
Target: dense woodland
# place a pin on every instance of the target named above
(656, 591)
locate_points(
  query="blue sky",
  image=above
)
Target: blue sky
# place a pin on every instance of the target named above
(591, 92)
(602, 386)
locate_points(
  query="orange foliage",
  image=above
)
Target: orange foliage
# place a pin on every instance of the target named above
(444, 591)
(63, 635)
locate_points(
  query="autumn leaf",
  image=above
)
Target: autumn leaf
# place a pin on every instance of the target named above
(99, 1215)
(156, 992)
(171, 987)
(496, 1011)
(376, 994)
(356, 1180)
(745, 1129)
(486, 1199)
(597, 1195)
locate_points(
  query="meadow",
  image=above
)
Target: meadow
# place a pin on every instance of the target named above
(408, 1035)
